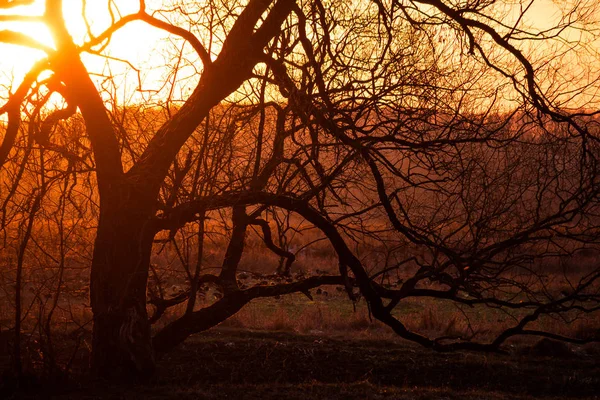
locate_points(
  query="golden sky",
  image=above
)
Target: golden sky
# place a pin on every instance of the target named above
(137, 43)
(142, 45)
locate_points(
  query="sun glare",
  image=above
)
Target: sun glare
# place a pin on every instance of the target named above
(142, 47)
(136, 44)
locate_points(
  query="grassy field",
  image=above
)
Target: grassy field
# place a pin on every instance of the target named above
(331, 312)
(236, 363)
(293, 347)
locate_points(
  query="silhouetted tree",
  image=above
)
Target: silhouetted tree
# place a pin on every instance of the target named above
(431, 128)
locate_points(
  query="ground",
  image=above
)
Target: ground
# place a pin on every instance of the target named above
(237, 363)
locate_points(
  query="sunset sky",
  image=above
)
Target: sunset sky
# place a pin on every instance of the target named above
(138, 43)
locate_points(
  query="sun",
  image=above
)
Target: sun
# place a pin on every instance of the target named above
(136, 44)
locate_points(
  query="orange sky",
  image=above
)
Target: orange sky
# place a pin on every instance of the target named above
(139, 43)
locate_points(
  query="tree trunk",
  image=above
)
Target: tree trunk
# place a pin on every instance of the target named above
(122, 346)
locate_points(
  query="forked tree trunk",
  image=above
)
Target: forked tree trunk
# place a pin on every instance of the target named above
(121, 341)
(122, 346)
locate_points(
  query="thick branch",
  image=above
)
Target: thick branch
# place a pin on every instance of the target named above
(241, 52)
(13, 109)
(201, 320)
(82, 90)
(21, 39)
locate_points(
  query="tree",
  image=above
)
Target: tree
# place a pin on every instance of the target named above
(435, 120)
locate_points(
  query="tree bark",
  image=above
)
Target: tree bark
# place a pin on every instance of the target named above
(122, 347)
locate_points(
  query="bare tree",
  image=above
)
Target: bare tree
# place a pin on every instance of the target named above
(413, 124)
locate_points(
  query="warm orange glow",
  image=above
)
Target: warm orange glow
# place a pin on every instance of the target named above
(144, 47)
(137, 43)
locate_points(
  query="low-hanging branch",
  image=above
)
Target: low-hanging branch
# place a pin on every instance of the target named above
(231, 302)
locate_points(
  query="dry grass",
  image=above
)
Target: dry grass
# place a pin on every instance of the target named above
(331, 314)
(310, 317)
